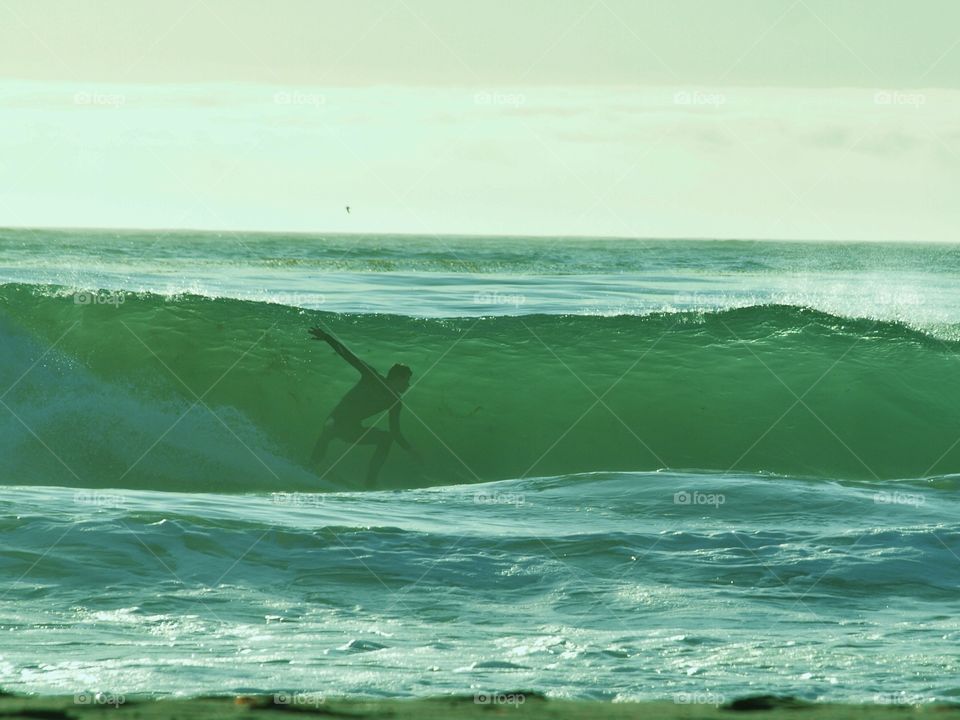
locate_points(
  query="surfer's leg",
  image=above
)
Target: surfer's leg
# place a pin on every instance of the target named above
(323, 442)
(383, 440)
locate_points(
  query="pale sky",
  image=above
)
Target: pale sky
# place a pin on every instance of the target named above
(819, 119)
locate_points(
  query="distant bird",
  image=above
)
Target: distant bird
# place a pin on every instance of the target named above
(348, 209)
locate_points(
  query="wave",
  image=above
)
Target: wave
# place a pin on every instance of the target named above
(191, 393)
(359, 592)
(750, 531)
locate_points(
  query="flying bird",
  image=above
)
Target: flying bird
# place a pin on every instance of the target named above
(348, 209)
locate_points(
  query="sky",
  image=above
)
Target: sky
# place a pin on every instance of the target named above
(783, 119)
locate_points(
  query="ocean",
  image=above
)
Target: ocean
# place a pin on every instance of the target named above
(683, 469)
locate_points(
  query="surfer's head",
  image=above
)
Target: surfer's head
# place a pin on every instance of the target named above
(398, 378)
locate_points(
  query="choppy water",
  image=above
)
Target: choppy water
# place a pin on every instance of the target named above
(649, 468)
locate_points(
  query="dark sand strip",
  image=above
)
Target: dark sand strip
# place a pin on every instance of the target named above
(509, 705)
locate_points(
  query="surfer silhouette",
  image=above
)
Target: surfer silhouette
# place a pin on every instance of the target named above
(372, 394)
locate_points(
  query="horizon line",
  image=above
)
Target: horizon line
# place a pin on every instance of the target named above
(321, 234)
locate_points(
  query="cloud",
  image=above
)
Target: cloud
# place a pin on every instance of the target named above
(612, 161)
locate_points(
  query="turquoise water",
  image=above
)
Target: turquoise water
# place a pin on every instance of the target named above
(687, 470)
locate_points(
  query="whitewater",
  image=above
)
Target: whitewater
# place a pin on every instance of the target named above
(649, 469)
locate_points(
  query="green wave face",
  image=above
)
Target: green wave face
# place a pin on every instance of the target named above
(226, 395)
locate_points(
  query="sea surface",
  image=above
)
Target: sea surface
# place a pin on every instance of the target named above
(688, 470)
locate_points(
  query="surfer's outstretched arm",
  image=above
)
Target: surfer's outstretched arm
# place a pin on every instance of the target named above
(341, 350)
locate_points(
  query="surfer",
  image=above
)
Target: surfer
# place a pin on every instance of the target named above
(373, 394)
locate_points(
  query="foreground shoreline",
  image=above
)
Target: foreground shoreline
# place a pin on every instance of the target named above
(518, 705)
